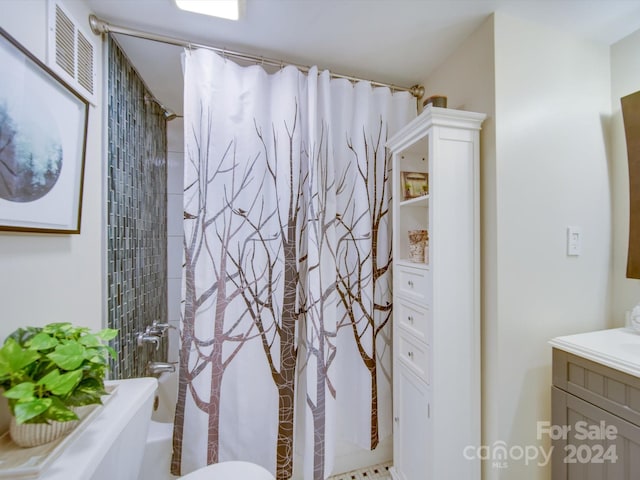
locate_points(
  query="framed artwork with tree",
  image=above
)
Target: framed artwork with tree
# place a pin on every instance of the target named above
(43, 130)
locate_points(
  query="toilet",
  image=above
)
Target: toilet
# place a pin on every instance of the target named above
(230, 471)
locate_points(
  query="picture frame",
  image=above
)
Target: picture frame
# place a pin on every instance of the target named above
(43, 136)
(414, 184)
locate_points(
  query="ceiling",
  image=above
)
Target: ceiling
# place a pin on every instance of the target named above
(394, 41)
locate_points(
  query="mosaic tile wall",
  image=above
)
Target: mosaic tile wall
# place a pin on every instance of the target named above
(137, 212)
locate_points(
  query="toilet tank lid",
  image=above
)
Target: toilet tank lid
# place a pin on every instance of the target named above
(80, 457)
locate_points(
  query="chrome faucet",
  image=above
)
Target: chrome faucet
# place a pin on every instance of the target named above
(148, 336)
(156, 368)
(159, 329)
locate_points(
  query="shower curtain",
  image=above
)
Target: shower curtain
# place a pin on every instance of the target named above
(285, 335)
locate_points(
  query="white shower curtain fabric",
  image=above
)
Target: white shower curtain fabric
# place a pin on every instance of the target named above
(285, 335)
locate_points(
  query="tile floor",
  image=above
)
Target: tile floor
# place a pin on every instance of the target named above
(376, 472)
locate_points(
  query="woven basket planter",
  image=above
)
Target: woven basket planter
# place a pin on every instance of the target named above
(33, 434)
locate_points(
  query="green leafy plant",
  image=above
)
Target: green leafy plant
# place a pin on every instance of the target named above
(46, 370)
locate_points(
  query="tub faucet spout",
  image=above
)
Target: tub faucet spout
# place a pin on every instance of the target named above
(156, 368)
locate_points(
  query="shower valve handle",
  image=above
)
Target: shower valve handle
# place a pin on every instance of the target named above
(158, 328)
(148, 336)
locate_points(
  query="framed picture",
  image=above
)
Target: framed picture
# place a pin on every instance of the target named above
(414, 184)
(43, 130)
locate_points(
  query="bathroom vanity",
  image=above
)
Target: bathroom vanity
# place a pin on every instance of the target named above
(596, 406)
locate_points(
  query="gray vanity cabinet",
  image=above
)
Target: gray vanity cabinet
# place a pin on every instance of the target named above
(600, 408)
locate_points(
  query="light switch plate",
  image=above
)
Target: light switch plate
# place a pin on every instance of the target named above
(574, 241)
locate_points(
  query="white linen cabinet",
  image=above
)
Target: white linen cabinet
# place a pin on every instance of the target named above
(436, 300)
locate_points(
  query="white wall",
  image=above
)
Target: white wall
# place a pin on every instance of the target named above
(476, 92)
(552, 108)
(175, 232)
(46, 278)
(625, 79)
(544, 167)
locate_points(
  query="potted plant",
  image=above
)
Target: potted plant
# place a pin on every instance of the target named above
(47, 373)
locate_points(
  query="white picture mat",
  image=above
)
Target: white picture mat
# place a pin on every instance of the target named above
(31, 94)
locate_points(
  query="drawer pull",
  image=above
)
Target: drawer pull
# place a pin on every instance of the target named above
(410, 283)
(410, 355)
(396, 419)
(410, 319)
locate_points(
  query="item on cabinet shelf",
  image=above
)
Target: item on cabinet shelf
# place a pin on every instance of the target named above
(418, 245)
(414, 184)
(436, 101)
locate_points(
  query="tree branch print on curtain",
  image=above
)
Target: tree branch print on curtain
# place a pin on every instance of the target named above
(278, 338)
(318, 294)
(364, 258)
(208, 235)
(271, 217)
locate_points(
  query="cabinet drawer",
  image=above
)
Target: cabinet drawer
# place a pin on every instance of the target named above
(416, 319)
(414, 356)
(414, 283)
(607, 388)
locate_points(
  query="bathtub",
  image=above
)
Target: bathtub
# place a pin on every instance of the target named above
(156, 462)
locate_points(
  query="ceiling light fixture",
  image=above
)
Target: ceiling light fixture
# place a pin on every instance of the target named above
(228, 9)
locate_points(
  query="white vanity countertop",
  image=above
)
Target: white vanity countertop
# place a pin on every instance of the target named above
(617, 348)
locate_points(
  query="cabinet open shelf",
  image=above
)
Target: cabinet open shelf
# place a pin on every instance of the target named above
(421, 201)
(408, 263)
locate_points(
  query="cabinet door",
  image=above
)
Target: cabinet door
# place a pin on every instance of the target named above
(411, 439)
(615, 457)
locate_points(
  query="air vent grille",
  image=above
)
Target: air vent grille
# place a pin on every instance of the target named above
(72, 54)
(85, 63)
(64, 42)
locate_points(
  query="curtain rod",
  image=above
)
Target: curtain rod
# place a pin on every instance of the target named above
(99, 27)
